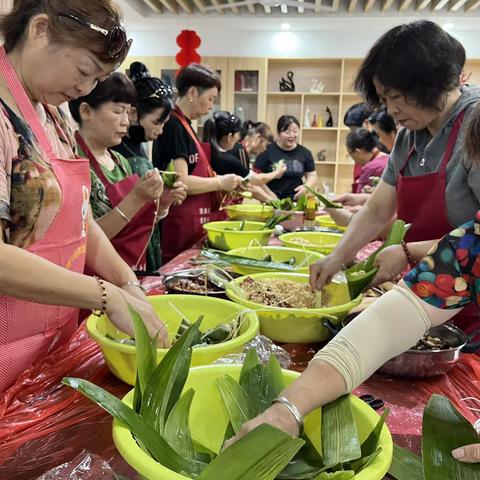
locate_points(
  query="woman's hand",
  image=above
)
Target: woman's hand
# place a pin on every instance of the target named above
(149, 187)
(119, 314)
(277, 415)
(352, 199)
(341, 216)
(299, 191)
(280, 170)
(229, 182)
(391, 262)
(173, 196)
(468, 454)
(322, 272)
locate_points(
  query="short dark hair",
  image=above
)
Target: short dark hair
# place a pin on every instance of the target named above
(357, 114)
(251, 128)
(285, 121)
(418, 59)
(361, 139)
(381, 118)
(222, 124)
(152, 92)
(116, 88)
(199, 76)
(63, 30)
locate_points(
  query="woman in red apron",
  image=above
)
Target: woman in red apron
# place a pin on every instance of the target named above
(428, 178)
(124, 205)
(44, 188)
(198, 88)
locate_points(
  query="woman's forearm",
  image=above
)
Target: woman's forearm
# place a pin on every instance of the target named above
(420, 249)
(103, 258)
(263, 178)
(197, 185)
(311, 180)
(29, 277)
(113, 222)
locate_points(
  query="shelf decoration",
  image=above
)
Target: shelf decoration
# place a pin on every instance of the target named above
(188, 41)
(306, 120)
(317, 86)
(322, 155)
(287, 85)
(315, 121)
(329, 122)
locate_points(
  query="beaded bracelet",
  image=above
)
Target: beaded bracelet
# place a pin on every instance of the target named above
(103, 290)
(408, 254)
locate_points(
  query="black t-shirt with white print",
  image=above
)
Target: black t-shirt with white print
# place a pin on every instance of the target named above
(175, 142)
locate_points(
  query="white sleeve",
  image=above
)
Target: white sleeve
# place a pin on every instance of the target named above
(388, 327)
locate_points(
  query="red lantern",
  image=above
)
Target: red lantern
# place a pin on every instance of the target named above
(188, 41)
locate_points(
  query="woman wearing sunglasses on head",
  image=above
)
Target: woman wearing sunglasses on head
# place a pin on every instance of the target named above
(223, 132)
(147, 117)
(198, 87)
(45, 189)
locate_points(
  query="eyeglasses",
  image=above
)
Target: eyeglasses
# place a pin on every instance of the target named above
(118, 44)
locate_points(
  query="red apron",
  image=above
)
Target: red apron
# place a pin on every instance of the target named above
(421, 202)
(132, 241)
(29, 330)
(182, 227)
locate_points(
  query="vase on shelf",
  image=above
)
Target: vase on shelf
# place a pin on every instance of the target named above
(306, 120)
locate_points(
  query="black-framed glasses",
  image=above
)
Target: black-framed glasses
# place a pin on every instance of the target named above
(118, 44)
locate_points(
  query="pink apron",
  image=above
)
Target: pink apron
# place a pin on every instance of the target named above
(30, 330)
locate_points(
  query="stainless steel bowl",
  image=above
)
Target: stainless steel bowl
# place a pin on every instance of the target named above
(428, 363)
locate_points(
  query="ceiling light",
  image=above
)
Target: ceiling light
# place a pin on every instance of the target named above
(285, 26)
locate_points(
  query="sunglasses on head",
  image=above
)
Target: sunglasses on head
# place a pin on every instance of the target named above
(118, 44)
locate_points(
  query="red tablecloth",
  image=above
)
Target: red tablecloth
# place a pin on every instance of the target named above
(43, 424)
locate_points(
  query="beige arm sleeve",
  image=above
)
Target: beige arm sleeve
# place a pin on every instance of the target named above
(388, 327)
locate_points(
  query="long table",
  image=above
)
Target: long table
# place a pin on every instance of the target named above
(43, 424)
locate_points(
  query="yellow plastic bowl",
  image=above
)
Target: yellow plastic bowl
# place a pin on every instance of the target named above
(320, 242)
(328, 222)
(250, 211)
(293, 325)
(221, 236)
(279, 254)
(208, 421)
(121, 359)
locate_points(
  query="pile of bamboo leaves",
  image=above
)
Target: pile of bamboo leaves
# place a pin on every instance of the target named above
(444, 429)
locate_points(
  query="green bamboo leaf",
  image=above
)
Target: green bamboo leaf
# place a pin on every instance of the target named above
(340, 441)
(155, 444)
(362, 463)
(219, 256)
(323, 200)
(261, 455)
(137, 395)
(405, 465)
(146, 353)
(177, 430)
(236, 400)
(444, 429)
(343, 475)
(306, 464)
(250, 362)
(252, 383)
(272, 380)
(370, 445)
(167, 381)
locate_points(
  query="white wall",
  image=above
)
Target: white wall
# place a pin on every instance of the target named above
(262, 37)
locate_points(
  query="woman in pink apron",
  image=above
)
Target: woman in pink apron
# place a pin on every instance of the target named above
(429, 181)
(198, 88)
(48, 233)
(125, 206)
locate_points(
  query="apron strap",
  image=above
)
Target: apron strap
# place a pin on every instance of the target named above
(24, 103)
(452, 139)
(177, 113)
(91, 158)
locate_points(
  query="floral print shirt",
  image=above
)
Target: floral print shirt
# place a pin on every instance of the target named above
(30, 195)
(449, 276)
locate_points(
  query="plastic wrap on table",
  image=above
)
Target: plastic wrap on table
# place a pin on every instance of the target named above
(264, 347)
(85, 466)
(37, 404)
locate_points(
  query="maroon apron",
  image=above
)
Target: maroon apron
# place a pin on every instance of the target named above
(182, 227)
(132, 241)
(421, 202)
